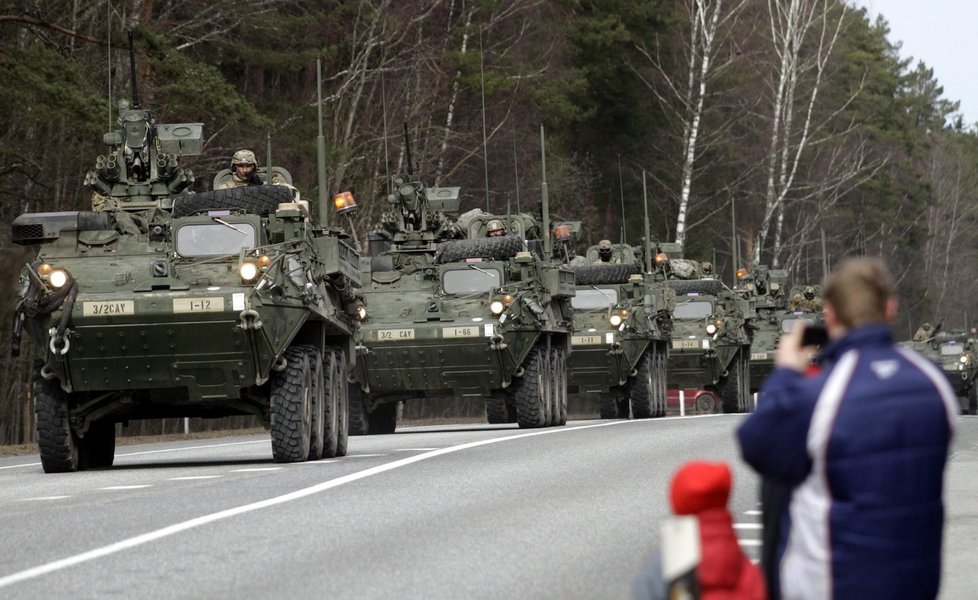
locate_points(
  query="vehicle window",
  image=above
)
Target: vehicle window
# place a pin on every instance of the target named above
(951, 349)
(693, 310)
(468, 281)
(592, 299)
(214, 239)
(789, 324)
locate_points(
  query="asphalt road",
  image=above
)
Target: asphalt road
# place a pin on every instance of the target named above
(430, 512)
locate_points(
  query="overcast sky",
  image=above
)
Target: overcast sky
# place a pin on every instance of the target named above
(942, 34)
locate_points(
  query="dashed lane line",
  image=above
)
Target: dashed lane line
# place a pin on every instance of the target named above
(191, 477)
(127, 487)
(161, 451)
(42, 498)
(176, 528)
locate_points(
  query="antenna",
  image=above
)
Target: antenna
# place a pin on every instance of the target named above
(648, 230)
(485, 147)
(324, 212)
(516, 171)
(621, 193)
(545, 193)
(268, 157)
(387, 162)
(734, 246)
(132, 70)
(108, 55)
(407, 149)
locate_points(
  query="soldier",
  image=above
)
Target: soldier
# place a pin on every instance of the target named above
(243, 165)
(706, 269)
(495, 228)
(605, 254)
(806, 301)
(923, 333)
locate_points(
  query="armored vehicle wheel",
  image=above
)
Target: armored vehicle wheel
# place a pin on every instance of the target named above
(530, 393)
(642, 388)
(701, 286)
(383, 420)
(609, 406)
(318, 439)
(331, 412)
(357, 415)
(662, 391)
(257, 199)
(624, 407)
(496, 248)
(601, 274)
(734, 388)
(56, 441)
(558, 369)
(97, 448)
(291, 404)
(496, 409)
(342, 403)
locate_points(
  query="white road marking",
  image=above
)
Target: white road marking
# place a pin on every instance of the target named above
(750, 542)
(256, 469)
(753, 512)
(37, 464)
(44, 498)
(414, 449)
(748, 526)
(193, 477)
(151, 536)
(126, 487)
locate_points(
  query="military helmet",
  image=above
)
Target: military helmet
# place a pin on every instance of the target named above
(706, 266)
(243, 157)
(604, 245)
(809, 292)
(495, 225)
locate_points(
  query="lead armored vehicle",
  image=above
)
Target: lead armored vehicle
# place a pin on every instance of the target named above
(956, 353)
(711, 338)
(622, 329)
(453, 312)
(162, 304)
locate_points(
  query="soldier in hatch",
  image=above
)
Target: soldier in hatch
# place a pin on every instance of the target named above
(806, 301)
(605, 253)
(495, 228)
(243, 165)
(923, 333)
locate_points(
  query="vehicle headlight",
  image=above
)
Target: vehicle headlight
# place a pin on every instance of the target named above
(249, 271)
(964, 359)
(496, 307)
(711, 329)
(615, 320)
(58, 278)
(361, 312)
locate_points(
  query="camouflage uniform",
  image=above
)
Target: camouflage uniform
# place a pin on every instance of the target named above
(923, 333)
(805, 301)
(606, 254)
(242, 157)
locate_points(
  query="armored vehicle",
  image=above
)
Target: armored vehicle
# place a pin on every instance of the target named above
(622, 329)
(454, 312)
(231, 302)
(711, 339)
(956, 353)
(769, 288)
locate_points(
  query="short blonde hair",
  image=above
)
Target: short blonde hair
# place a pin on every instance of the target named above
(859, 290)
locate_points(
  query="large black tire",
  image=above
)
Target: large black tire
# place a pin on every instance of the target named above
(558, 374)
(497, 411)
(56, 441)
(734, 387)
(257, 199)
(291, 403)
(711, 287)
(609, 406)
(357, 415)
(331, 404)
(318, 438)
(383, 420)
(97, 448)
(642, 388)
(530, 393)
(342, 403)
(662, 391)
(495, 248)
(605, 273)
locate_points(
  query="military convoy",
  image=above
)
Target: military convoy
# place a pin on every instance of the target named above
(170, 304)
(956, 353)
(623, 325)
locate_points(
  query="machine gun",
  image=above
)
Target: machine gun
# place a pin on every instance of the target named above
(142, 169)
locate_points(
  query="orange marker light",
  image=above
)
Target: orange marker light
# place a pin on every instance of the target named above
(661, 257)
(344, 202)
(44, 269)
(741, 273)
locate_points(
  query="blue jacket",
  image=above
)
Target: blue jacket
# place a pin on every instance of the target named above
(863, 445)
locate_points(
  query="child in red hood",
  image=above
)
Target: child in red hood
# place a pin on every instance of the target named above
(702, 489)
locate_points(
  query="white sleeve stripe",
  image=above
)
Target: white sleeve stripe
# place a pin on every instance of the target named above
(828, 404)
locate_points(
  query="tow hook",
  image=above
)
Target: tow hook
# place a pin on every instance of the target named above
(496, 342)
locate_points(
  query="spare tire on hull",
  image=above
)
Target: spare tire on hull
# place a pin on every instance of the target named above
(256, 199)
(495, 248)
(603, 274)
(710, 287)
